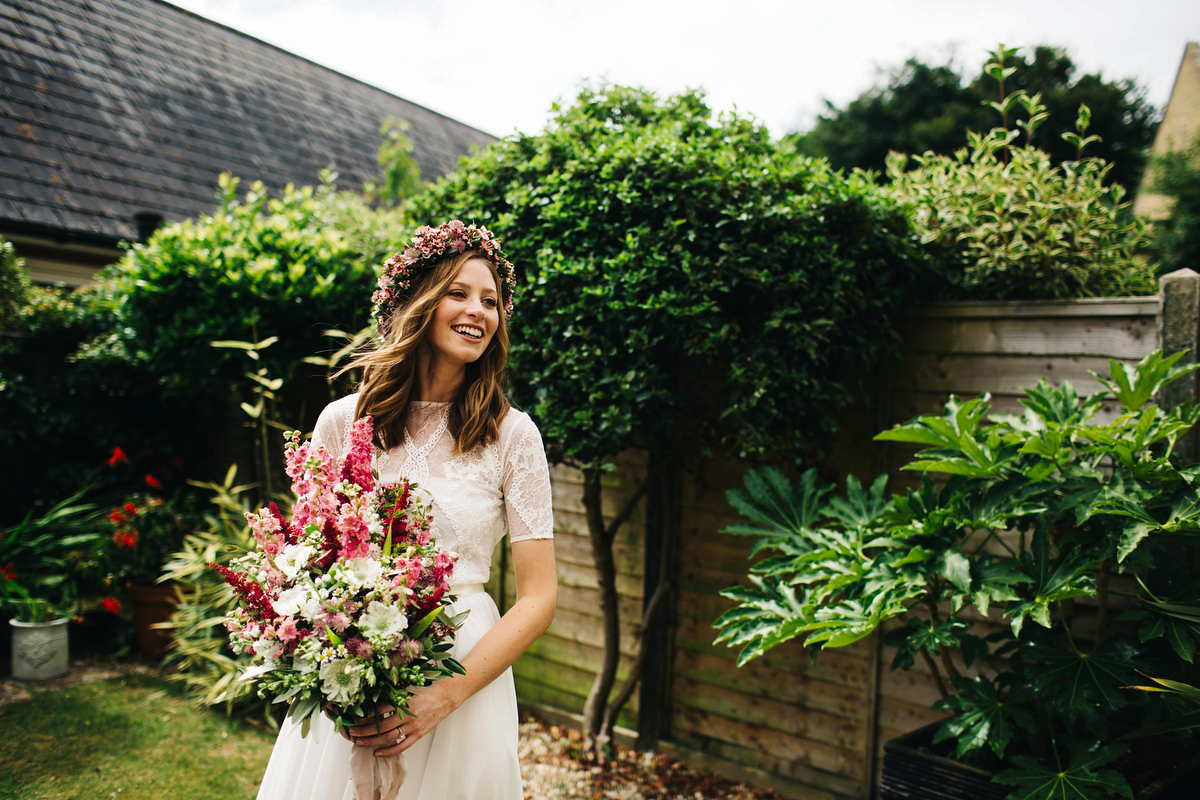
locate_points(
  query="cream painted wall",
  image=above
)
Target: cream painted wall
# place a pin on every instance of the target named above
(1179, 128)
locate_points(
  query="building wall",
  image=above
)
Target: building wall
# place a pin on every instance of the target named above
(1179, 128)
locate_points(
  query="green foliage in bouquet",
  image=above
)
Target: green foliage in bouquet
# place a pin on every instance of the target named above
(1007, 223)
(1035, 581)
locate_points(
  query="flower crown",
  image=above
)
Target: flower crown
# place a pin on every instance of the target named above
(430, 245)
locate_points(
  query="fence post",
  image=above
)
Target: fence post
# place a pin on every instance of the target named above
(1179, 329)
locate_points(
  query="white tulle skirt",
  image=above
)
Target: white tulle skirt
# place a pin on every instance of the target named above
(471, 755)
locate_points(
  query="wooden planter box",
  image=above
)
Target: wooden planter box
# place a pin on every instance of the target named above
(911, 771)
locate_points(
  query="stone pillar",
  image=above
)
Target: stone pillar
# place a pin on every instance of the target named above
(1179, 329)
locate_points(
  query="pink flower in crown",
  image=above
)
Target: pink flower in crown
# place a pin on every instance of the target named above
(427, 246)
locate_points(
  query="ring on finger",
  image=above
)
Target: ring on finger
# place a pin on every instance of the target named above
(400, 736)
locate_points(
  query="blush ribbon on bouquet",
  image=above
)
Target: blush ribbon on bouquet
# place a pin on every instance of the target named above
(375, 777)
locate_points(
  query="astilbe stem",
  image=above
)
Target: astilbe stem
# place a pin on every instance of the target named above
(252, 594)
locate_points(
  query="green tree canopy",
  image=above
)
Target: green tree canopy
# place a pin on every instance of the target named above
(924, 107)
(663, 249)
(1007, 223)
(290, 266)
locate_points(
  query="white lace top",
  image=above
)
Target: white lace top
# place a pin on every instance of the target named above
(475, 496)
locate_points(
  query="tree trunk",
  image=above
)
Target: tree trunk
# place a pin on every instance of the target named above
(596, 733)
(606, 574)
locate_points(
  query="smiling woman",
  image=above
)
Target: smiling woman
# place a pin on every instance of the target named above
(441, 421)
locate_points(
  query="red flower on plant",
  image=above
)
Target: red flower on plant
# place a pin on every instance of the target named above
(111, 604)
(8, 573)
(153, 482)
(125, 538)
(118, 457)
(116, 517)
(130, 509)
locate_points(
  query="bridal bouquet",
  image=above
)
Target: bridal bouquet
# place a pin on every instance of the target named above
(344, 606)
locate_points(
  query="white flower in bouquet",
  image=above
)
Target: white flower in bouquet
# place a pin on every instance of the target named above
(293, 558)
(340, 680)
(269, 649)
(358, 572)
(382, 620)
(298, 600)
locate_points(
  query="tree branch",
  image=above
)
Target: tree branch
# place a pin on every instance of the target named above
(623, 515)
(635, 671)
(943, 690)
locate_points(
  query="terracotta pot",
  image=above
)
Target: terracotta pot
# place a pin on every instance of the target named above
(152, 604)
(39, 649)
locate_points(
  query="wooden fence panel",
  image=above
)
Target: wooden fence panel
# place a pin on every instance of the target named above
(557, 671)
(804, 724)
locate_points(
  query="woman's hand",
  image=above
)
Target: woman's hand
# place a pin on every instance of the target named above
(381, 729)
(389, 734)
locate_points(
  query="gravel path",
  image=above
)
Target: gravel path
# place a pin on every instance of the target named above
(552, 772)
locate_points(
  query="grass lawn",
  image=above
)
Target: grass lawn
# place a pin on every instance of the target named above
(129, 736)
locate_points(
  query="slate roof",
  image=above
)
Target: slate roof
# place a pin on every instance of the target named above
(113, 107)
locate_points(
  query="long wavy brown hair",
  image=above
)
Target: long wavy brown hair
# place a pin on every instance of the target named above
(390, 370)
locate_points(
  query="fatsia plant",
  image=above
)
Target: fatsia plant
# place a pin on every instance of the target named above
(1035, 577)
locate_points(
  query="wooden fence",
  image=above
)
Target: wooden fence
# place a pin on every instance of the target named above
(809, 729)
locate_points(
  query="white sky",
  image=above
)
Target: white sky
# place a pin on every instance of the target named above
(499, 64)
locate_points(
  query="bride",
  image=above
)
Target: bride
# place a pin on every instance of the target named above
(434, 389)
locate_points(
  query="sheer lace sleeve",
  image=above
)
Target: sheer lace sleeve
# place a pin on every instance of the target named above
(332, 425)
(527, 497)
